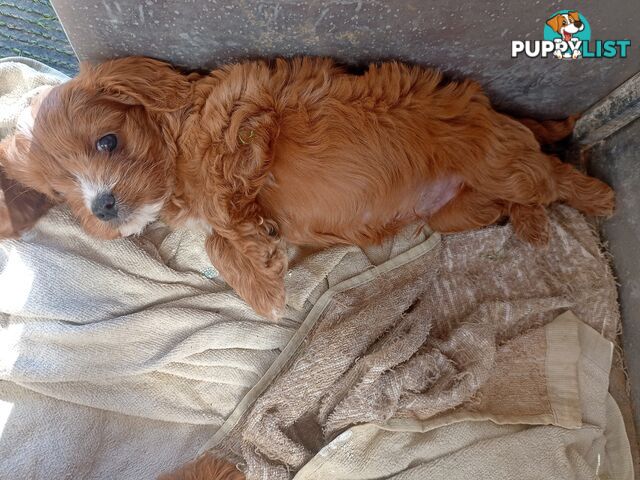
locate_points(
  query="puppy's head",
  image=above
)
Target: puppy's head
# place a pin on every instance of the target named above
(104, 143)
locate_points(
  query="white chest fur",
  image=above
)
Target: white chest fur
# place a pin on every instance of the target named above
(197, 224)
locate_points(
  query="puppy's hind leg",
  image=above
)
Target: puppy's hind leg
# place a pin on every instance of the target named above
(526, 184)
(468, 210)
(584, 193)
(530, 223)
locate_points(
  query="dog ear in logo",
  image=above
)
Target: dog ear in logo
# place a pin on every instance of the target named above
(555, 23)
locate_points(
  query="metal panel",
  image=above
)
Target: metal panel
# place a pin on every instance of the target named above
(611, 114)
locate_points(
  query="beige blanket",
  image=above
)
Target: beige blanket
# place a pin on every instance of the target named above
(461, 445)
(455, 329)
(122, 359)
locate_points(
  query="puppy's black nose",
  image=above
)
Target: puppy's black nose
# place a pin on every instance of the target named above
(104, 207)
(577, 23)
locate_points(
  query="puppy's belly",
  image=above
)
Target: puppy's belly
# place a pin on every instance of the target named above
(360, 217)
(435, 195)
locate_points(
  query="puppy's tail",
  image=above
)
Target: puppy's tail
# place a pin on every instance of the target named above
(550, 131)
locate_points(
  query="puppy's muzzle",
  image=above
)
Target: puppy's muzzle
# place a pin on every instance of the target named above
(105, 207)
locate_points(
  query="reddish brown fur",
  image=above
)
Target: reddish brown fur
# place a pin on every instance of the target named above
(550, 131)
(298, 151)
(206, 468)
(20, 207)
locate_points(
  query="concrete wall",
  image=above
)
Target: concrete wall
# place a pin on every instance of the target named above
(617, 161)
(470, 38)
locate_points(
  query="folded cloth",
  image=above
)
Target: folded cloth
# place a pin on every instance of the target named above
(20, 80)
(460, 328)
(140, 340)
(464, 444)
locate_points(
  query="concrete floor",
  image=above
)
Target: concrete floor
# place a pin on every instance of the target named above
(30, 28)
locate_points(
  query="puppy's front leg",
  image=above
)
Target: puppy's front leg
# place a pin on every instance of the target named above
(253, 263)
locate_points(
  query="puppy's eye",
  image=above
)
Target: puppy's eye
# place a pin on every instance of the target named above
(108, 143)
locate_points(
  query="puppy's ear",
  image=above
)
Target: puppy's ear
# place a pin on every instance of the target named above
(20, 206)
(574, 15)
(554, 23)
(142, 81)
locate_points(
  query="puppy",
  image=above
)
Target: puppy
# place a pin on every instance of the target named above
(566, 25)
(262, 153)
(206, 467)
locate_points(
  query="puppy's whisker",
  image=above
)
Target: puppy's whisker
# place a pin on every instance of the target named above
(12, 187)
(126, 173)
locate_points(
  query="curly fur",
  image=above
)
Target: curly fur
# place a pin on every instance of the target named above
(206, 467)
(300, 151)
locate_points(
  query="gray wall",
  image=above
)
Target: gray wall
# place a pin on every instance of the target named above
(470, 38)
(617, 162)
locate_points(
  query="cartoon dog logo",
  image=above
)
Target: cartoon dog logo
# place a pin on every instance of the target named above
(566, 25)
(567, 35)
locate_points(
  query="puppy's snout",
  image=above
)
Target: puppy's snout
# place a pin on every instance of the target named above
(104, 206)
(578, 23)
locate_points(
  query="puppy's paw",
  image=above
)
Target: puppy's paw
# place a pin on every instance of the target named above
(591, 196)
(576, 54)
(557, 54)
(268, 299)
(530, 224)
(538, 237)
(601, 202)
(604, 206)
(264, 289)
(255, 268)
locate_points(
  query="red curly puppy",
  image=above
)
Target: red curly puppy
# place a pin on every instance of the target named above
(262, 153)
(205, 467)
